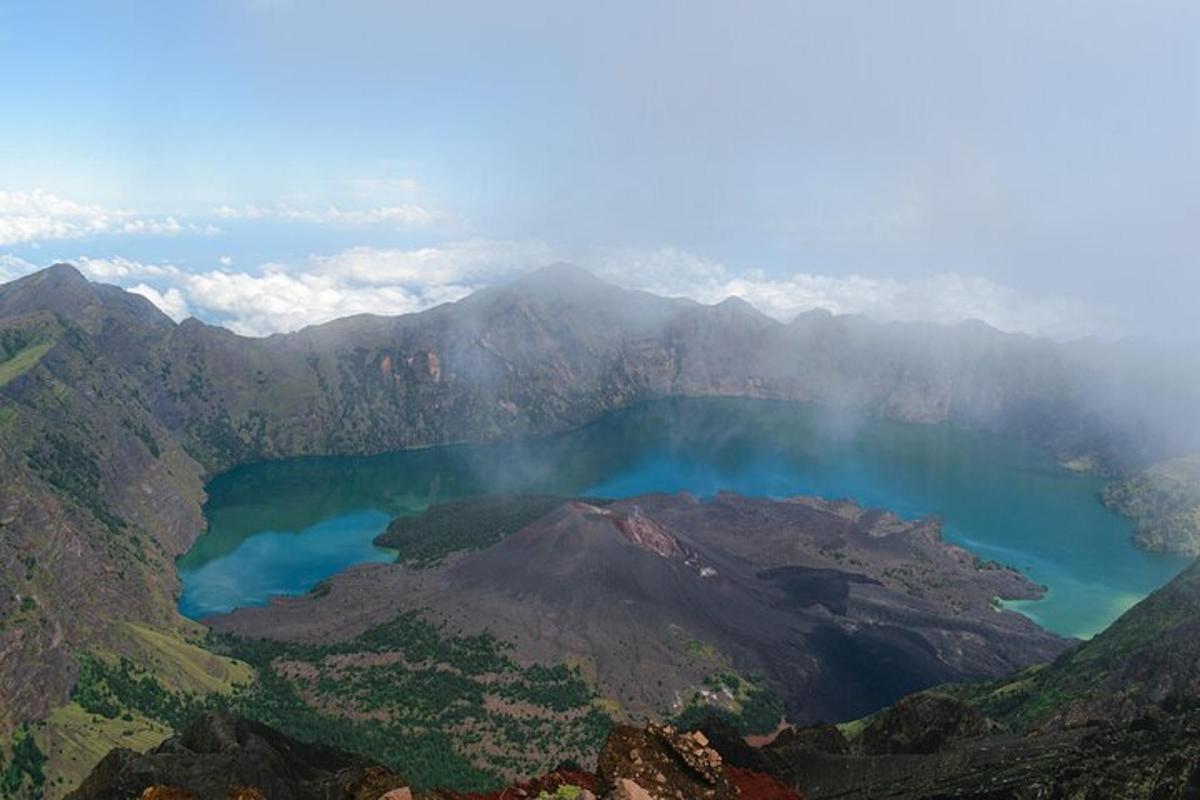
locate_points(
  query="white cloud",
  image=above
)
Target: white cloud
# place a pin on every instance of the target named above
(42, 216)
(472, 262)
(943, 298)
(404, 215)
(389, 281)
(12, 267)
(117, 269)
(281, 300)
(171, 302)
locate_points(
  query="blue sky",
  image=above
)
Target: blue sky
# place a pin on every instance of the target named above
(272, 163)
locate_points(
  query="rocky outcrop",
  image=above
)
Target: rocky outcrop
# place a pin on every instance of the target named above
(660, 763)
(220, 757)
(921, 724)
(1153, 759)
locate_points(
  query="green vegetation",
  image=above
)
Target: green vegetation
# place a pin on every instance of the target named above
(565, 792)
(113, 690)
(76, 740)
(471, 523)
(1154, 634)
(448, 710)
(21, 348)
(753, 708)
(142, 432)
(22, 361)
(25, 773)
(74, 469)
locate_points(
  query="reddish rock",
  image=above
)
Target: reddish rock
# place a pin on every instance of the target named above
(664, 762)
(757, 786)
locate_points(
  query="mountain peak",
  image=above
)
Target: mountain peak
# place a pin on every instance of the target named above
(60, 287)
(62, 271)
(559, 274)
(58, 276)
(813, 315)
(739, 305)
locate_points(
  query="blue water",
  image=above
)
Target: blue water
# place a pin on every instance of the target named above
(281, 527)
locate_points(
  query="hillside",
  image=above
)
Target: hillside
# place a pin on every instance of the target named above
(1149, 659)
(112, 416)
(1134, 741)
(1164, 500)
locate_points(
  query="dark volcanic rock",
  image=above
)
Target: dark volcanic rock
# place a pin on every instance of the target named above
(220, 757)
(816, 738)
(726, 740)
(921, 724)
(841, 610)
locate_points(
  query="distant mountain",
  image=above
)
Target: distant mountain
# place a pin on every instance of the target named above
(548, 352)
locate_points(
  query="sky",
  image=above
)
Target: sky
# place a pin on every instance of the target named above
(268, 164)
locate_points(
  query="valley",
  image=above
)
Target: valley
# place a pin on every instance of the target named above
(126, 436)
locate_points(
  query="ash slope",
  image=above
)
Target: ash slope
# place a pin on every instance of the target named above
(1116, 716)
(840, 609)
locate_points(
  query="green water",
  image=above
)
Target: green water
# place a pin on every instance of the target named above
(279, 528)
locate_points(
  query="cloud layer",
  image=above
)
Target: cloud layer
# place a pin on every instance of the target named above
(405, 215)
(280, 297)
(41, 216)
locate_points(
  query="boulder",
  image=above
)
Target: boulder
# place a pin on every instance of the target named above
(921, 724)
(819, 738)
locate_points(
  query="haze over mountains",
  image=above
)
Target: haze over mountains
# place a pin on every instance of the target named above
(112, 416)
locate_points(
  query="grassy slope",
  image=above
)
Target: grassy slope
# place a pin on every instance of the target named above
(448, 710)
(1150, 654)
(23, 361)
(75, 739)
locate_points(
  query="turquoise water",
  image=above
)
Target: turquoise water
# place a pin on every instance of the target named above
(279, 528)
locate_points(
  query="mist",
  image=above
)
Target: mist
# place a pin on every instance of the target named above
(1044, 155)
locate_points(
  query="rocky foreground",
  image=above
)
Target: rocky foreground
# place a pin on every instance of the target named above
(929, 746)
(221, 757)
(1115, 717)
